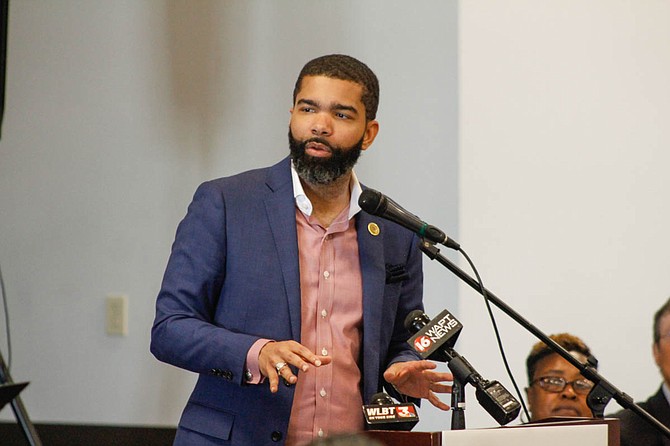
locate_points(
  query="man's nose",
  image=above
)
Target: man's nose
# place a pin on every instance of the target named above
(322, 125)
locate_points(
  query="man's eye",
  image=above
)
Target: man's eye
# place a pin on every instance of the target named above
(342, 116)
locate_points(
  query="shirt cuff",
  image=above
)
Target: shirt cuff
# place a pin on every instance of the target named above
(253, 374)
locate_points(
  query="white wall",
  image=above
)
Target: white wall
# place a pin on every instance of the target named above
(564, 142)
(117, 110)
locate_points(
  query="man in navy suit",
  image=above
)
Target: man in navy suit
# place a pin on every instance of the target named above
(634, 429)
(285, 297)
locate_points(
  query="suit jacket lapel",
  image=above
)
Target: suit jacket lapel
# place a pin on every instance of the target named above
(373, 272)
(280, 207)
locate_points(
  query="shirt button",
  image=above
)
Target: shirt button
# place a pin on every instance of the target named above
(320, 433)
(326, 274)
(324, 352)
(324, 313)
(323, 393)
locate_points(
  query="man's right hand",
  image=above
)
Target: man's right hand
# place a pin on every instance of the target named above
(276, 356)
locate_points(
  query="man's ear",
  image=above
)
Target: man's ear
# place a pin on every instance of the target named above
(657, 353)
(371, 130)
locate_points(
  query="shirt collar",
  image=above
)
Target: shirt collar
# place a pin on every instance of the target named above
(305, 205)
(666, 391)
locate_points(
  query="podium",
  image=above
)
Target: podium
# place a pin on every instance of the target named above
(578, 432)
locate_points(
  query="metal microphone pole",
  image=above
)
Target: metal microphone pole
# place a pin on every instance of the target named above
(602, 392)
(19, 411)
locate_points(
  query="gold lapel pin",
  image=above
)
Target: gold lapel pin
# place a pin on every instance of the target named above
(373, 229)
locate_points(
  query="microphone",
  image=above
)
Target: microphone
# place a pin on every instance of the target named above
(375, 203)
(434, 339)
(384, 414)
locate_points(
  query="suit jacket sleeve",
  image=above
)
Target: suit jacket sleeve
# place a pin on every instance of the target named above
(185, 333)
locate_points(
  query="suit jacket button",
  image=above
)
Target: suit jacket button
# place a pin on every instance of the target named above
(276, 436)
(228, 375)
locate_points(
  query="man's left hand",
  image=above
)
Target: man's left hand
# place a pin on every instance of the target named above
(417, 379)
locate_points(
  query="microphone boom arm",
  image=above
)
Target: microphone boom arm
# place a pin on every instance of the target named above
(602, 392)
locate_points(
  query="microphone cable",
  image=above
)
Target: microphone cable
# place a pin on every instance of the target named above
(9, 339)
(495, 329)
(376, 203)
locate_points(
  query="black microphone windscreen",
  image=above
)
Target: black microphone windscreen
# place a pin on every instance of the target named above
(415, 320)
(372, 201)
(381, 398)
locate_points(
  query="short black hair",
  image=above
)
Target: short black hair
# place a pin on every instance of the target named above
(665, 309)
(569, 342)
(346, 68)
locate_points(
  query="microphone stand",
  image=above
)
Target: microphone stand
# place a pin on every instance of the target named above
(602, 392)
(457, 404)
(491, 395)
(20, 413)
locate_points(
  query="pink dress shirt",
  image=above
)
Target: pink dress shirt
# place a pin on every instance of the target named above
(328, 398)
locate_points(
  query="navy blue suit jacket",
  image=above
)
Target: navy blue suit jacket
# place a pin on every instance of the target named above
(233, 277)
(636, 431)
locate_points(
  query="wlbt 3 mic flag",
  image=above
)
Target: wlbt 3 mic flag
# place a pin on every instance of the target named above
(384, 414)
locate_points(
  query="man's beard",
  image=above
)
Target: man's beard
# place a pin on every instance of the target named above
(315, 170)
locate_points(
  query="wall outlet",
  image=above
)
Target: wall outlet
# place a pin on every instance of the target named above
(117, 314)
